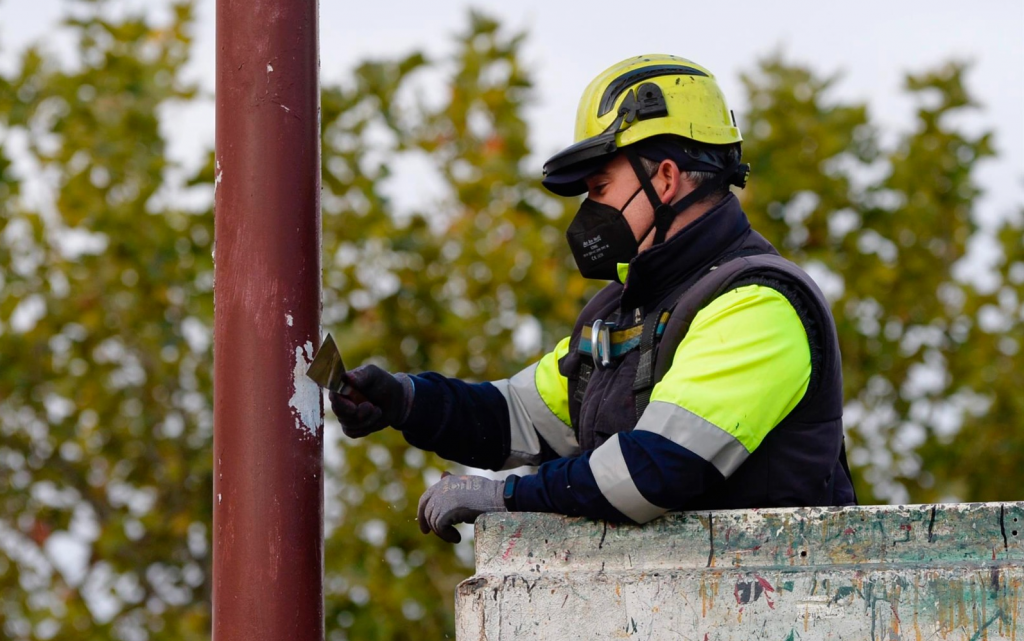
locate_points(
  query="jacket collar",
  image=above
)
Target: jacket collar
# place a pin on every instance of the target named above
(654, 273)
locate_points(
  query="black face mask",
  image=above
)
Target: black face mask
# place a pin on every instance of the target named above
(600, 239)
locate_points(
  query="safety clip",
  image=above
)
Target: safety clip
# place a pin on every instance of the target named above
(601, 344)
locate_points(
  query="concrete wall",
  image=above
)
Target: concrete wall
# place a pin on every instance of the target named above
(914, 572)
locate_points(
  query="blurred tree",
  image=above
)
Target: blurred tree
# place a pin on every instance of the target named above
(106, 309)
(105, 305)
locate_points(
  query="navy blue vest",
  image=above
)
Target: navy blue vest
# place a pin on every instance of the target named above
(802, 461)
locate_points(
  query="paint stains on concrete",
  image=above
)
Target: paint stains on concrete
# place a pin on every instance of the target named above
(940, 572)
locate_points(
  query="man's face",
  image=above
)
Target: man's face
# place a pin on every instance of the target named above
(616, 183)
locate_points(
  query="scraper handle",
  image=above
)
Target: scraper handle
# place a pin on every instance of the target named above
(353, 394)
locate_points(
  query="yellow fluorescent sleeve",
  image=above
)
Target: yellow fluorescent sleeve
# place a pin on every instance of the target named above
(551, 385)
(743, 366)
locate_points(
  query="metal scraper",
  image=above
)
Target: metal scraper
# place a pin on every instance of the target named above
(327, 369)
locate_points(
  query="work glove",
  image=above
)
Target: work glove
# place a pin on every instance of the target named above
(372, 399)
(458, 499)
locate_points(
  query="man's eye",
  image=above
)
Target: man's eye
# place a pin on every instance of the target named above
(599, 189)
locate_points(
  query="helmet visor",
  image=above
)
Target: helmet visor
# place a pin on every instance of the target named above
(566, 171)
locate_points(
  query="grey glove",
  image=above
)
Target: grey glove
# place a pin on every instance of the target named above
(458, 499)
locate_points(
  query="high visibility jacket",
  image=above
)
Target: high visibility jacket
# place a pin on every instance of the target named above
(746, 410)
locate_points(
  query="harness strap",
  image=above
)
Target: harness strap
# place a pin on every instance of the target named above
(582, 381)
(643, 383)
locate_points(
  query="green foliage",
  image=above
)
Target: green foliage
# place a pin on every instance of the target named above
(104, 406)
(106, 310)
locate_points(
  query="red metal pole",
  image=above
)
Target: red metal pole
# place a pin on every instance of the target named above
(268, 417)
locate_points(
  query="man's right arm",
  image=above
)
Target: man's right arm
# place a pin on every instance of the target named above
(523, 420)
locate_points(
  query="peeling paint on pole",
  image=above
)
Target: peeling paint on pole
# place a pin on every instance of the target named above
(905, 572)
(307, 399)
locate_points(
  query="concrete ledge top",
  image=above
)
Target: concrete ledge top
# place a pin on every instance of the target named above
(798, 538)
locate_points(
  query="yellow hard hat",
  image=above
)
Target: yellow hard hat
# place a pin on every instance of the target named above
(638, 99)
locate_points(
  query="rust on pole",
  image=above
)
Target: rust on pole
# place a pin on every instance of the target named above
(268, 417)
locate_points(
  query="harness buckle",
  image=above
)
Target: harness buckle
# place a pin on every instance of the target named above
(601, 344)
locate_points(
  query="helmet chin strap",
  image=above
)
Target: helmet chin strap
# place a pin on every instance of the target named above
(664, 213)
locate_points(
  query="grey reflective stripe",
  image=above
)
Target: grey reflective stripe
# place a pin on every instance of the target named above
(616, 483)
(558, 435)
(529, 416)
(525, 448)
(700, 436)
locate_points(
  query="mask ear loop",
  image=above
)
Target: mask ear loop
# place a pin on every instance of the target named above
(663, 214)
(622, 211)
(630, 200)
(646, 234)
(648, 188)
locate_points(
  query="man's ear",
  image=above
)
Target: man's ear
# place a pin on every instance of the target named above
(672, 181)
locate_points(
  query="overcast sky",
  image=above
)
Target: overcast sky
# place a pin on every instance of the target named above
(873, 42)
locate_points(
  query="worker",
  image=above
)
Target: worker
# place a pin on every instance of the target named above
(706, 375)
